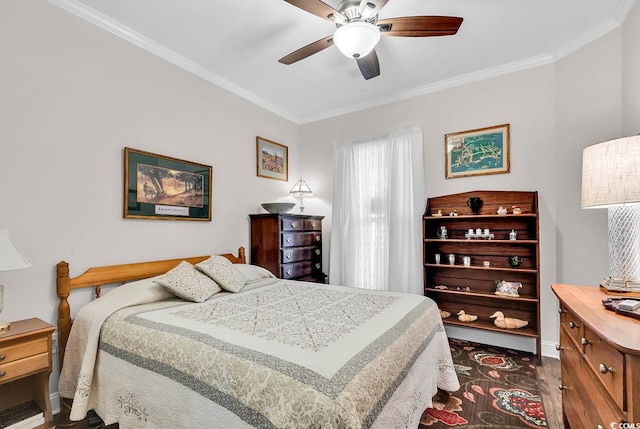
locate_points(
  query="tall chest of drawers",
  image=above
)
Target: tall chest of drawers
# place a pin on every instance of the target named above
(600, 361)
(288, 245)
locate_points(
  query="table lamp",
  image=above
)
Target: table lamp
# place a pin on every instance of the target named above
(611, 179)
(10, 259)
(301, 190)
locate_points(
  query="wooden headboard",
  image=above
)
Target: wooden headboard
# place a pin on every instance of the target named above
(95, 277)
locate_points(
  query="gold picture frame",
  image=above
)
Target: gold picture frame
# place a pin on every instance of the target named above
(272, 159)
(477, 152)
(166, 188)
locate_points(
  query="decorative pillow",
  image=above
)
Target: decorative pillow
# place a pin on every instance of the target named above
(222, 271)
(189, 283)
(254, 272)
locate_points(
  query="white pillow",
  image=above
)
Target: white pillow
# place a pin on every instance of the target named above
(254, 272)
(189, 283)
(222, 271)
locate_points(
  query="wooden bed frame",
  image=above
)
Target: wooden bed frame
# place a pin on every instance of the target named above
(95, 277)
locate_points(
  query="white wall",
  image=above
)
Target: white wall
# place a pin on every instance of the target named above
(72, 96)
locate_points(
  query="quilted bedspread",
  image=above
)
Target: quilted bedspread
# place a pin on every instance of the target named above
(279, 354)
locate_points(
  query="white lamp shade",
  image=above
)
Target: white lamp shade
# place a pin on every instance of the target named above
(356, 39)
(301, 189)
(611, 173)
(10, 256)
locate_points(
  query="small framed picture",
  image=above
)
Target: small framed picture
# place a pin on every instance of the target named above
(477, 152)
(272, 159)
(162, 187)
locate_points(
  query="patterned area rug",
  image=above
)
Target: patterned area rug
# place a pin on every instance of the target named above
(498, 389)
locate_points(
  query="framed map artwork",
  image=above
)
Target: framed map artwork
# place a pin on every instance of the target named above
(477, 152)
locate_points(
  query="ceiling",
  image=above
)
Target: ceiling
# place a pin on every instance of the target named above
(237, 44)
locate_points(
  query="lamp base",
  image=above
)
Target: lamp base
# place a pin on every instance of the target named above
(4, 326)
(620, 287)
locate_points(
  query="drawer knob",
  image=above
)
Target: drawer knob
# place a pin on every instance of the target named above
(289, 271)
(559, 347)
(317, 237)
(288, 255)
(561, 387)
(3, 373)
(560, 311)
(288, 239)
(317, 251)
(605, 369)
(293, 224)
(572, 325)
(600, 427)
(585, 342)
(313, 225)
(318, 265)
(2, 357)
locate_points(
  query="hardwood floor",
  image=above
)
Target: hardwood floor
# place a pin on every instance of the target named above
(548, 377)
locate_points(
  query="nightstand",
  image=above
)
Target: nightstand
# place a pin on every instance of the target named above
(25, 365)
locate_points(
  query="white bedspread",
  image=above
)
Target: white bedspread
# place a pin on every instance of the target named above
(278, 354)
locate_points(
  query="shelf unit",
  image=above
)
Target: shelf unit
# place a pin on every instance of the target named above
(480, 298)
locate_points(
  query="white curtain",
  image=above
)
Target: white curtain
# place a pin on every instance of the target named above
(378, 198)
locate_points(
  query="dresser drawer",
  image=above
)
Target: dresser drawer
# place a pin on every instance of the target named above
(18, 368)
(313, 225)
(291, 224)
(295, 254)
(582, 396)
(572, 324)
(15, 350)
(607, 364)
(300, 239)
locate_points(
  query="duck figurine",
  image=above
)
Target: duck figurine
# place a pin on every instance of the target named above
(444, 314)
(464, 317)
(507, 322)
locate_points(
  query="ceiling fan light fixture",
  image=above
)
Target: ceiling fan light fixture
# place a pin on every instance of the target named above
(356, 39)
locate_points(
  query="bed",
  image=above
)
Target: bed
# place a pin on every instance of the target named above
(262, 352)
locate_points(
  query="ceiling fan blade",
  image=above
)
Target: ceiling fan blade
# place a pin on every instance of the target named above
(420, 26)
(318, 8)
(369, 8)
(369, 65)
(305, 51)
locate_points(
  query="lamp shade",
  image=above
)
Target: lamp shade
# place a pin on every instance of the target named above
(356, 39)
(301, 189)
(10, 256)
(611, 173)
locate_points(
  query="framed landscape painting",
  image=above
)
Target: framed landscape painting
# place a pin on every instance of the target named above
(477, 152)
(161, 187)
(272, 159)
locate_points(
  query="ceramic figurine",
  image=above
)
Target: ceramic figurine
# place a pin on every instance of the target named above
(437, 214)
(502, 210)
(463, 317)
(516, 210)
(444, 314)
(507, 322)
(454, 213)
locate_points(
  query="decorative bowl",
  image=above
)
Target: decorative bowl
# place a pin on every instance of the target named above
(278, 207)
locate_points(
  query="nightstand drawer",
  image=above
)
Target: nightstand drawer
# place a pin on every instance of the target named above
(14, 350)
(22, 367)
(607, 363)
(290, 224)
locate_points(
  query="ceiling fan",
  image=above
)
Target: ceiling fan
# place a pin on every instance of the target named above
(359, 30)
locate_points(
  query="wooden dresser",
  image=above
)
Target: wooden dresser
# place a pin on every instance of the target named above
(288, 245)
(600, 360)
